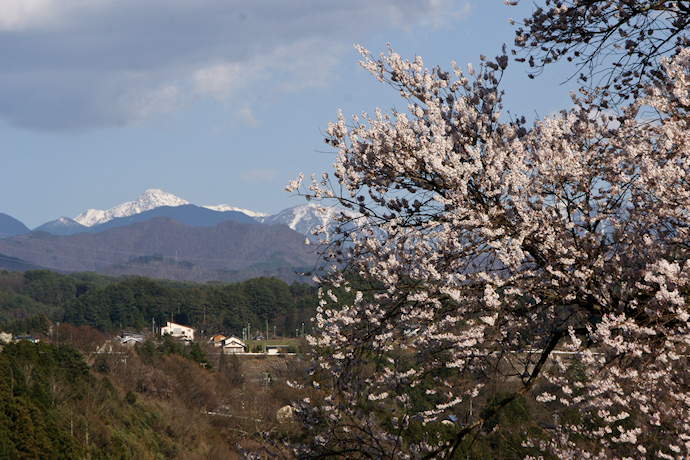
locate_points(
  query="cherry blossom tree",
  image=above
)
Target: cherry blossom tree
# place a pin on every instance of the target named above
(616, 43)
(495, 253)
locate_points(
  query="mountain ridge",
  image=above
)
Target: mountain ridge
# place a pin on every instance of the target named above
(226, 251)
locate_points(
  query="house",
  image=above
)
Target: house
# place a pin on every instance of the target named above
(132, 334)
(131, 338)
(178, 331)
(217, 340)
(233, 345)
(276, 349)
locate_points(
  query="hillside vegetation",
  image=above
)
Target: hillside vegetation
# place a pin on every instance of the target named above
(135, 303)
(79, 394)
(154, 403)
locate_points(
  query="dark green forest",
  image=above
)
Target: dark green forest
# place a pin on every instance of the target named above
(136, 303)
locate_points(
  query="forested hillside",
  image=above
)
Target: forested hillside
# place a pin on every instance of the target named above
(137, 303)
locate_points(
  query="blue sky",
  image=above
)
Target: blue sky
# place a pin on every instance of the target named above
(215, 101)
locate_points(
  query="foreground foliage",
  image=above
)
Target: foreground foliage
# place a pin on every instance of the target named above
(486, 249)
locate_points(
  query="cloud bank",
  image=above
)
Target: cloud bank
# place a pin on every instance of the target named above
(79, 65)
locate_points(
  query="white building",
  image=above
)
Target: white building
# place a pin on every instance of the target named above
(276, 349)
(234, 345)
(178, 331)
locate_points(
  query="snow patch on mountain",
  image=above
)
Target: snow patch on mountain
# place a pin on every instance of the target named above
(63, 226)
(64, 221)
(225, 207)
(150, 199)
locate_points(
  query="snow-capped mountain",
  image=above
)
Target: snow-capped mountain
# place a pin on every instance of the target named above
(307, 217)
(162, 225)
(303, 218)
(150, 199)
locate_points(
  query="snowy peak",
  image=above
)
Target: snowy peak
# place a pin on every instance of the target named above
(307, 217)
(155, 198)
(64, 221)
(150, 199)
(91, 217)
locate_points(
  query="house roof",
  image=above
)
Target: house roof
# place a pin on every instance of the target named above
(170, 324)
(233, 340)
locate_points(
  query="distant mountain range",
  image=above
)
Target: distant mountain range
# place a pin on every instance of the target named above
(194, 216)
(162, 247)
(156, 202)
(162, 236)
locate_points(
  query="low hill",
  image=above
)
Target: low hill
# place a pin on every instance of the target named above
(229, 250)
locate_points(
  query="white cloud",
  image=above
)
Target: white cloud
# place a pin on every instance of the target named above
(247, 116)
(446, 13)
(142, 103)
(288, 67)
(222, 81)
(37, 15)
